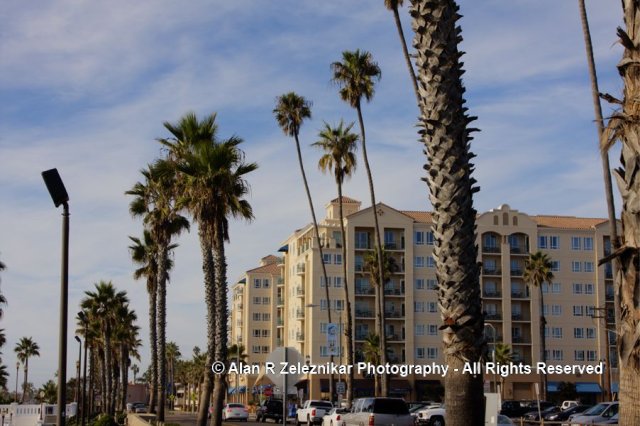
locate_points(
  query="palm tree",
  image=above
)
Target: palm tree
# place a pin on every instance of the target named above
(144, 253)
(356, 76)
(290, 111)
(135, 370)
(339, 145)
(155, 202)
(504, 356)
(446, 136)
(213, 175)
(173, 355)
(537, 271)
(393, 5)
(623, 127)
(3, 300)
(126, 338)
(371, 265)
(25, 349)
(371, 351)
(103, 308)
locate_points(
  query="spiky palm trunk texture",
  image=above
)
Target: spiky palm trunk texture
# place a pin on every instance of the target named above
(106, 338)
(349, 328)
(219, 389)
(210, 300)
(543, 344)
(124, 371)
(317, 231)
(384, 383)
(24, 386)
(153, 343)
(625, 127)
(446, 137)
(162, 327)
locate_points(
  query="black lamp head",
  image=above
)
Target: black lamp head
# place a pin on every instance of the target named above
(55, 186)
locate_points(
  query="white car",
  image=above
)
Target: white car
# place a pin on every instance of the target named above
(235, 411)
(335, 417)
(432, 416)
(597, 414)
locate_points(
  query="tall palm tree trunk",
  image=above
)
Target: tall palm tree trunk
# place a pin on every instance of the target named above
(220, 262)
(446, 137)
(108, 371)
(24, 386)
(315, 227)
(124, 371)
(405, 51)
(384, 383)
(349, 329)
(210, 299)
(543, 345)
(162, 326)
(153, 345)
(379, 324)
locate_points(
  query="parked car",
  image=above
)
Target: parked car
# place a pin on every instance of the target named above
(432, 416)
(504, 421)
(312, 412)
(515, 409)
(612, 421)
(597, 414)
(269, 409)
(379, 412)
(235, 411)
(568, 404)
(139, 407)
(534, 415)
(335, 417)
(565, 414)
(423, 406)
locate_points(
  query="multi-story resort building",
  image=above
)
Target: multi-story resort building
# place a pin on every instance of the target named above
(283, 301)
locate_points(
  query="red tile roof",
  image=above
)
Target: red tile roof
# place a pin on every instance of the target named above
(271, 268)
(346, 200)
(567, 222)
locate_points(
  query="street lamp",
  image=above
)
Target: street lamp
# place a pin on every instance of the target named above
(17, 375)
(493, 355)
(59, 196)
(78, 370)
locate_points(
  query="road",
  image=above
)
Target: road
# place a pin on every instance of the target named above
(189, 419)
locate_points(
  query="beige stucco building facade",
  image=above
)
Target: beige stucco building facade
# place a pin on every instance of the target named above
(292, 309)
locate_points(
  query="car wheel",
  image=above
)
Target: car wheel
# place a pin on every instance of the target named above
(437, 421)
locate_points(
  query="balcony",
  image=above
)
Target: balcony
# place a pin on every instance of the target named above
(393, 292)
(300, 313)
(239, 305)
(516, 272)
(493, 316)
(520, 340)
(608, 297)
(394, 338)
(393, 314)
(300, 337)
(280, 301)
(490, 249)
(280, 322)
(491, 293)
(491, 271)
(300, 268)
(393, 245)
(299, 291)
(361, 336)
(364, 313)
(519, 294)
(365, 291)
(279, 342)
(279, 281)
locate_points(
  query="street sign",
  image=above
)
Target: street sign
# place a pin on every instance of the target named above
(341, 388)
(332, 338)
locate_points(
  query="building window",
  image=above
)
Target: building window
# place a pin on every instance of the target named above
(257, 300)
(419, 262)
(489, 266)
(587, 243)
(256, 316)
(577, 288)
(265, 333)
(591, 355)
(591, 333)
(554, 242)
(432, 307)
(420, 353)
(556, 310)
(257, 283)
(419, 283)
(266, 300)
(590, 310)
(575, 243)
(545, 288)
(323, 283)
(543, 242)
(433, 329)
(555, 266)
(362, 240)
(578, 333)
(432, 284)
(578, 311)
(324, 352)
(490, 242)
(337, 259)
(557, 355)
(576, 266)
(419, 329)
(418, 237)
(326, 257)
(418, 306)
(588, 266)
(323, 304)
(556, 332)
(255, 349)
(431, 262)
(323, 328)
(337, 282)
(256, 332)
(432, 353)
(579, 355)
(266, 317)
(555, 288)
(265, 283)
(339, 304)
(430, 238)
(588, 288)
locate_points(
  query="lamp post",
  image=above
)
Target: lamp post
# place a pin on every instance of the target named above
(84, 320)
(78, 364)
(493, 355)
(17, 375)
(59, 196)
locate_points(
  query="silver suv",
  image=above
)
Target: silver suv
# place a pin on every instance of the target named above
(379, 412)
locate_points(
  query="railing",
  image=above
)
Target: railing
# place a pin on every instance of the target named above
(493, 316)
(362, 313)
(280, 301)
(299, 336)
(491, 293)
(299, 313)
(392, 245)
(393, 292)
(280, 281)
(518, 250)
(516, 272)
(299, 291)
(280, 321)
(300, 268)
(365, 290)
(516, 317)
(492, 271)
(393, 314)
(490, 249)
(608, 297)
(519, 294)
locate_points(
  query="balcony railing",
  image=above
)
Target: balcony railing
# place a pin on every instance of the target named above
(393, 314)
(516, 272)
(299, 336)
(519, 294)
(280, 322)
(300, 268)
(490, 249)
(364, 313)
(299, 313)
(491, 271)
(520, 340)
(299, 291)
(393, 245)
(491, 293)
(280, 281)
(393, 292)
(280, 301)
(493, 316)
(608, 297)
(361, 336)
(365, 290)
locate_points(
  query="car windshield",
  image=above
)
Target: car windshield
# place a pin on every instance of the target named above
(390, 406)
(596, 410)
(236, 406)
(321, 404)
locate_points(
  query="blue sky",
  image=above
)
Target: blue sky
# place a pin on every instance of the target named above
(86, 86)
